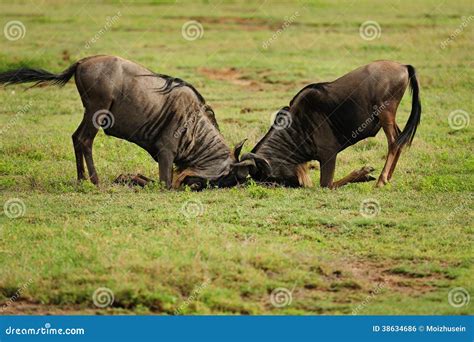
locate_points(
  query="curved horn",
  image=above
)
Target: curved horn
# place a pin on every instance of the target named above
(260, 162)
(238, 148)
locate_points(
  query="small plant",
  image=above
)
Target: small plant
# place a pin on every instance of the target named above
(257, 191)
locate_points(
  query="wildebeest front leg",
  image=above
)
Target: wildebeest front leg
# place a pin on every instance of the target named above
(328, 167)
(165, 161)
(356, 176)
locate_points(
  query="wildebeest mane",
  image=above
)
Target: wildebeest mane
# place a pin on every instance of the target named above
(172, 83)
(270, 131)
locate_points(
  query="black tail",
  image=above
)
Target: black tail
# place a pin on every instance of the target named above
(408, 133)
(26, 75)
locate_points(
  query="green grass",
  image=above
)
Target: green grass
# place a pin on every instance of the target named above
(144, 244)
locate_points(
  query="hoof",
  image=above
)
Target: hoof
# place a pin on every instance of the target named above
(367, 169)
(132, 180)
(363, 175)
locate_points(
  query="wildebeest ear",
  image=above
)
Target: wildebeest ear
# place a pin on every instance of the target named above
(260, 163)
(238, 148)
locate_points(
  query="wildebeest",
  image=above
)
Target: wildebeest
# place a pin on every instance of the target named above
(166, 116)
(325, 118)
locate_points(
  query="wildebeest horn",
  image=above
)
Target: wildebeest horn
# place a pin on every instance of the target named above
(238, 148)
(260, 162)
(243, 168)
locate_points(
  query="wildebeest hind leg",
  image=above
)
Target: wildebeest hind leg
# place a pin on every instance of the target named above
(397, 155)
(78, 152)
(391, 132)
(86, 139)
(89, 136)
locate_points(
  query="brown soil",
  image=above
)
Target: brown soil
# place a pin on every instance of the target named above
(231, 75)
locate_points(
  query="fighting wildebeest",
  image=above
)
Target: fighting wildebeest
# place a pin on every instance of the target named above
(166, 116)
(325, 118)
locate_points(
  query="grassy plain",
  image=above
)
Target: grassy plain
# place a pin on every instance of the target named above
(147, 247)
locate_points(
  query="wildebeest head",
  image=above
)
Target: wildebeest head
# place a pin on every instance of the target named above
(277, 171)
(232, 172)
(279, 156)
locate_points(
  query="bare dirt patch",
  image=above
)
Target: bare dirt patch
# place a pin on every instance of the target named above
(24, 307)
(246, 24)
(231, 75)
(372, 273)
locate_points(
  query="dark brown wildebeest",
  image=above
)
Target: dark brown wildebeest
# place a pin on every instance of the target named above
(166, 116)
(325, 118)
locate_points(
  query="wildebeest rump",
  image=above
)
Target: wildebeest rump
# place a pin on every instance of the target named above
(166, 116)
(325, 118)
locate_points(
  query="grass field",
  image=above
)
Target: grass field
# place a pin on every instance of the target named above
(251, 249)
